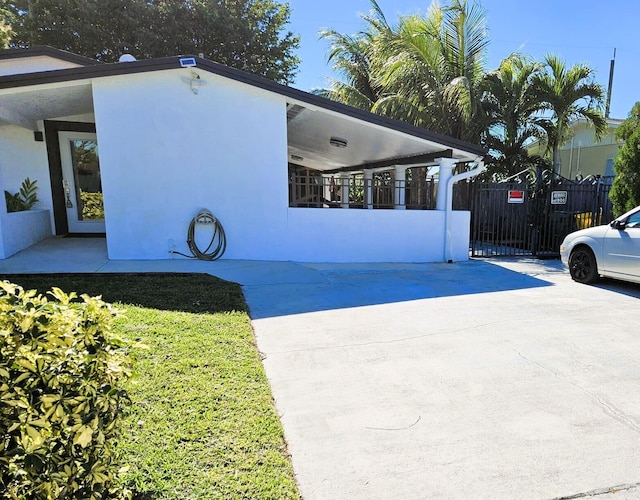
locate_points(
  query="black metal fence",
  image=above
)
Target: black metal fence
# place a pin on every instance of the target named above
(532, 218)
(527, 216)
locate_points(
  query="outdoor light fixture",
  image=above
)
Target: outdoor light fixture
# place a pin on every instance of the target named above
(337, 142)
(297, 158)
(194, 81)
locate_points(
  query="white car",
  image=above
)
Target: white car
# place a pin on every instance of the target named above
(612, 250)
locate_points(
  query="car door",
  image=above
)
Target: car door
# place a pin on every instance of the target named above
(621, 250)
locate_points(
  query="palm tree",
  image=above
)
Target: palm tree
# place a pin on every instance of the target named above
(431, 68)
(350, 57)
(568, 93)
(510, 102)
(425, 70)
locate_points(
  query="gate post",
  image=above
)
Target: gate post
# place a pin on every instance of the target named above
(535, 213)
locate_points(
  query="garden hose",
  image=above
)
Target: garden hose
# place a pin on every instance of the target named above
(218, 238)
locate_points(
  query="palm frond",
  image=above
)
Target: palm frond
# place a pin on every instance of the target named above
(346, 94)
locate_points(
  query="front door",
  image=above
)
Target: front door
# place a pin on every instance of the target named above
(81, 182)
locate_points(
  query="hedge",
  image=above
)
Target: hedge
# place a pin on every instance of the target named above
(61, 398)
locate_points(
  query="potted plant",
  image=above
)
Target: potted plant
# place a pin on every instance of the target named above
(25, 199)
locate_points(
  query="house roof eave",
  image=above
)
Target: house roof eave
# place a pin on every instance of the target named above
(99, 70)
(44, 50)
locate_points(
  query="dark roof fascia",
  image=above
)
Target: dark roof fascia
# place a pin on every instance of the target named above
(43, 50)
(421, 158)
(87, 72)
(146, 65)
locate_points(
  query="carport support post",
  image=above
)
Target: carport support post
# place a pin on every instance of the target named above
(446, 169)
(326, 187)
(368, 189)
(344, 190)
(400, 184)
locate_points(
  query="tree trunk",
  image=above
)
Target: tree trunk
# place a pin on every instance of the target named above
(555, 158)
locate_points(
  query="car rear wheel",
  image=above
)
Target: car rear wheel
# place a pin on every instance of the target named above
(583, 266)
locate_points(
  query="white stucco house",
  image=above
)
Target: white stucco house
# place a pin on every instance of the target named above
(277, 166)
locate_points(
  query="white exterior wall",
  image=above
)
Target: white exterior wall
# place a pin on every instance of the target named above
(21, 157)
(355, 235)
(165, 153)
(20, 230)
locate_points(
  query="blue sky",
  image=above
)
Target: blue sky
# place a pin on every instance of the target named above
(584, 31)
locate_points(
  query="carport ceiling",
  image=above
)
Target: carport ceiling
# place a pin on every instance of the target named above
(310, 132)
(26, 107)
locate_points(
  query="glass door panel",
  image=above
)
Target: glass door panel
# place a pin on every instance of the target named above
(81, 182)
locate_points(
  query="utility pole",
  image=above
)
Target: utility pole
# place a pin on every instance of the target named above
(613, 63)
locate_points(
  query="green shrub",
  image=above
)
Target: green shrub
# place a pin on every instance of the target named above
(61, 369)
(25, 199)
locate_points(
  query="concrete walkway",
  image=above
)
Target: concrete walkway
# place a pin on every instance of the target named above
(483, 379)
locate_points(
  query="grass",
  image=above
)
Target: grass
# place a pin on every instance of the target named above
(203, 424)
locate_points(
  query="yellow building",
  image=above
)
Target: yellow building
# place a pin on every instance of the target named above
(582, 155)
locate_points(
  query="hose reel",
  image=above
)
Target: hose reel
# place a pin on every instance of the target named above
(218, 243)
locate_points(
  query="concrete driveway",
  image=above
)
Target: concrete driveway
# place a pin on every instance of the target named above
(485, 379)
(482, 379)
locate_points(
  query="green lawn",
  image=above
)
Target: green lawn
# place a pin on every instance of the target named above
(203, 424)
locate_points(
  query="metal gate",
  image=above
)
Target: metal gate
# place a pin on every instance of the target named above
(532, 217)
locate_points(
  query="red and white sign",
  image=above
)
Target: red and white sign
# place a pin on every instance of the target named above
(516, 197)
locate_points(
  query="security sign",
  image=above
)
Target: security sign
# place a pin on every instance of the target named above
(558, 197)
(516, 197)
